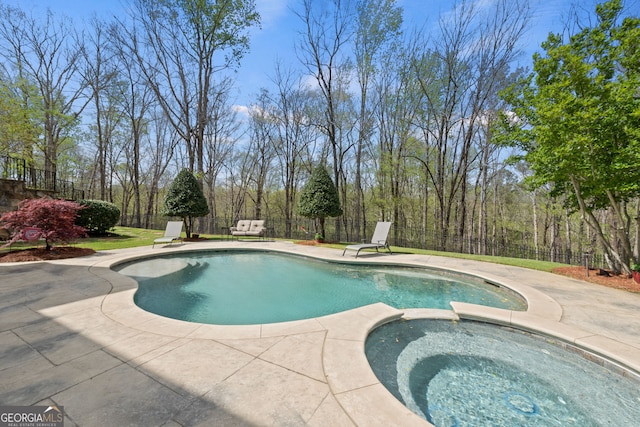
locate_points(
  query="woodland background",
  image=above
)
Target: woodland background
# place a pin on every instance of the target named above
(402, 118)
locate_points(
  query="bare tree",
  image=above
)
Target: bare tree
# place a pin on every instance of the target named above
(99, 74)
(47, 53)
(180, 46)
(399, 100)
(136, 100)
(293, 134)
(460, 77)
(377, 32)
(221, 139)
(327, 32)
(261, 147)
(162, 141)
(240, 172)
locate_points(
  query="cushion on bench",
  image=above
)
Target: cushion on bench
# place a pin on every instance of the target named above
(245, 227)
(241, 228)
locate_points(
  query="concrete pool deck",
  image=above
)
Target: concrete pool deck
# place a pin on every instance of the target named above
(71, 336)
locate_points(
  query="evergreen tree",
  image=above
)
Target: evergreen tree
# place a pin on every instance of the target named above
(185, 200)
(319, 198)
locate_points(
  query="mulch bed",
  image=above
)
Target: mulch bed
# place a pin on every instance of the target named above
(41, 254)
(308, 243)
(596, 276)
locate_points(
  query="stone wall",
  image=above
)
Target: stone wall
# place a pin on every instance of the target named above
(13, 192)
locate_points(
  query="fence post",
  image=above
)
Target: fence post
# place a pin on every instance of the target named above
(586, 261)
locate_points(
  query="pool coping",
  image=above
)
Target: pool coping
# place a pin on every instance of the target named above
(350, 378)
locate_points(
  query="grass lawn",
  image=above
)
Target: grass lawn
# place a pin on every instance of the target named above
(118, 238)
(517, 262)
(129, 237)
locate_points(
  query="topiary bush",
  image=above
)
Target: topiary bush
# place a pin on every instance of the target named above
(97, 216)
(319, 198)
(185, 199)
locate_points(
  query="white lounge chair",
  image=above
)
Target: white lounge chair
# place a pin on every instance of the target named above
(379, 240)
(171, 233)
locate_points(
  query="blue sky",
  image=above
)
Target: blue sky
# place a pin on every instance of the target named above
(279, 27)
(276, 38)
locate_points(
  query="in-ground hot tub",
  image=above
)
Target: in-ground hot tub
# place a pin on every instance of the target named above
(469, 374)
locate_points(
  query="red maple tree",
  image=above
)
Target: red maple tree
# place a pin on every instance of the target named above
(50, 219)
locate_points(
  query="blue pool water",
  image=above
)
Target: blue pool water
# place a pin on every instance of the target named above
(240, 288)
(474, 374)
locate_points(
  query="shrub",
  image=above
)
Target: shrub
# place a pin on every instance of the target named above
(185, 199)
(53, 219)
(97, 216)
(319, 198)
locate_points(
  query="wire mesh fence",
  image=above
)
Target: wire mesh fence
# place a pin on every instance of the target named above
(408, 237)
(342, 230)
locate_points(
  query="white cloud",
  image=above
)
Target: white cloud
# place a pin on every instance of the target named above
(271, 11)
(241, 109)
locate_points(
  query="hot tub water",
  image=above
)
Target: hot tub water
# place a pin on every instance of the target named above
(470, 374)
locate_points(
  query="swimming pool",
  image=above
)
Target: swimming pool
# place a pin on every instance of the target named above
(468, 373)
(256, 287)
